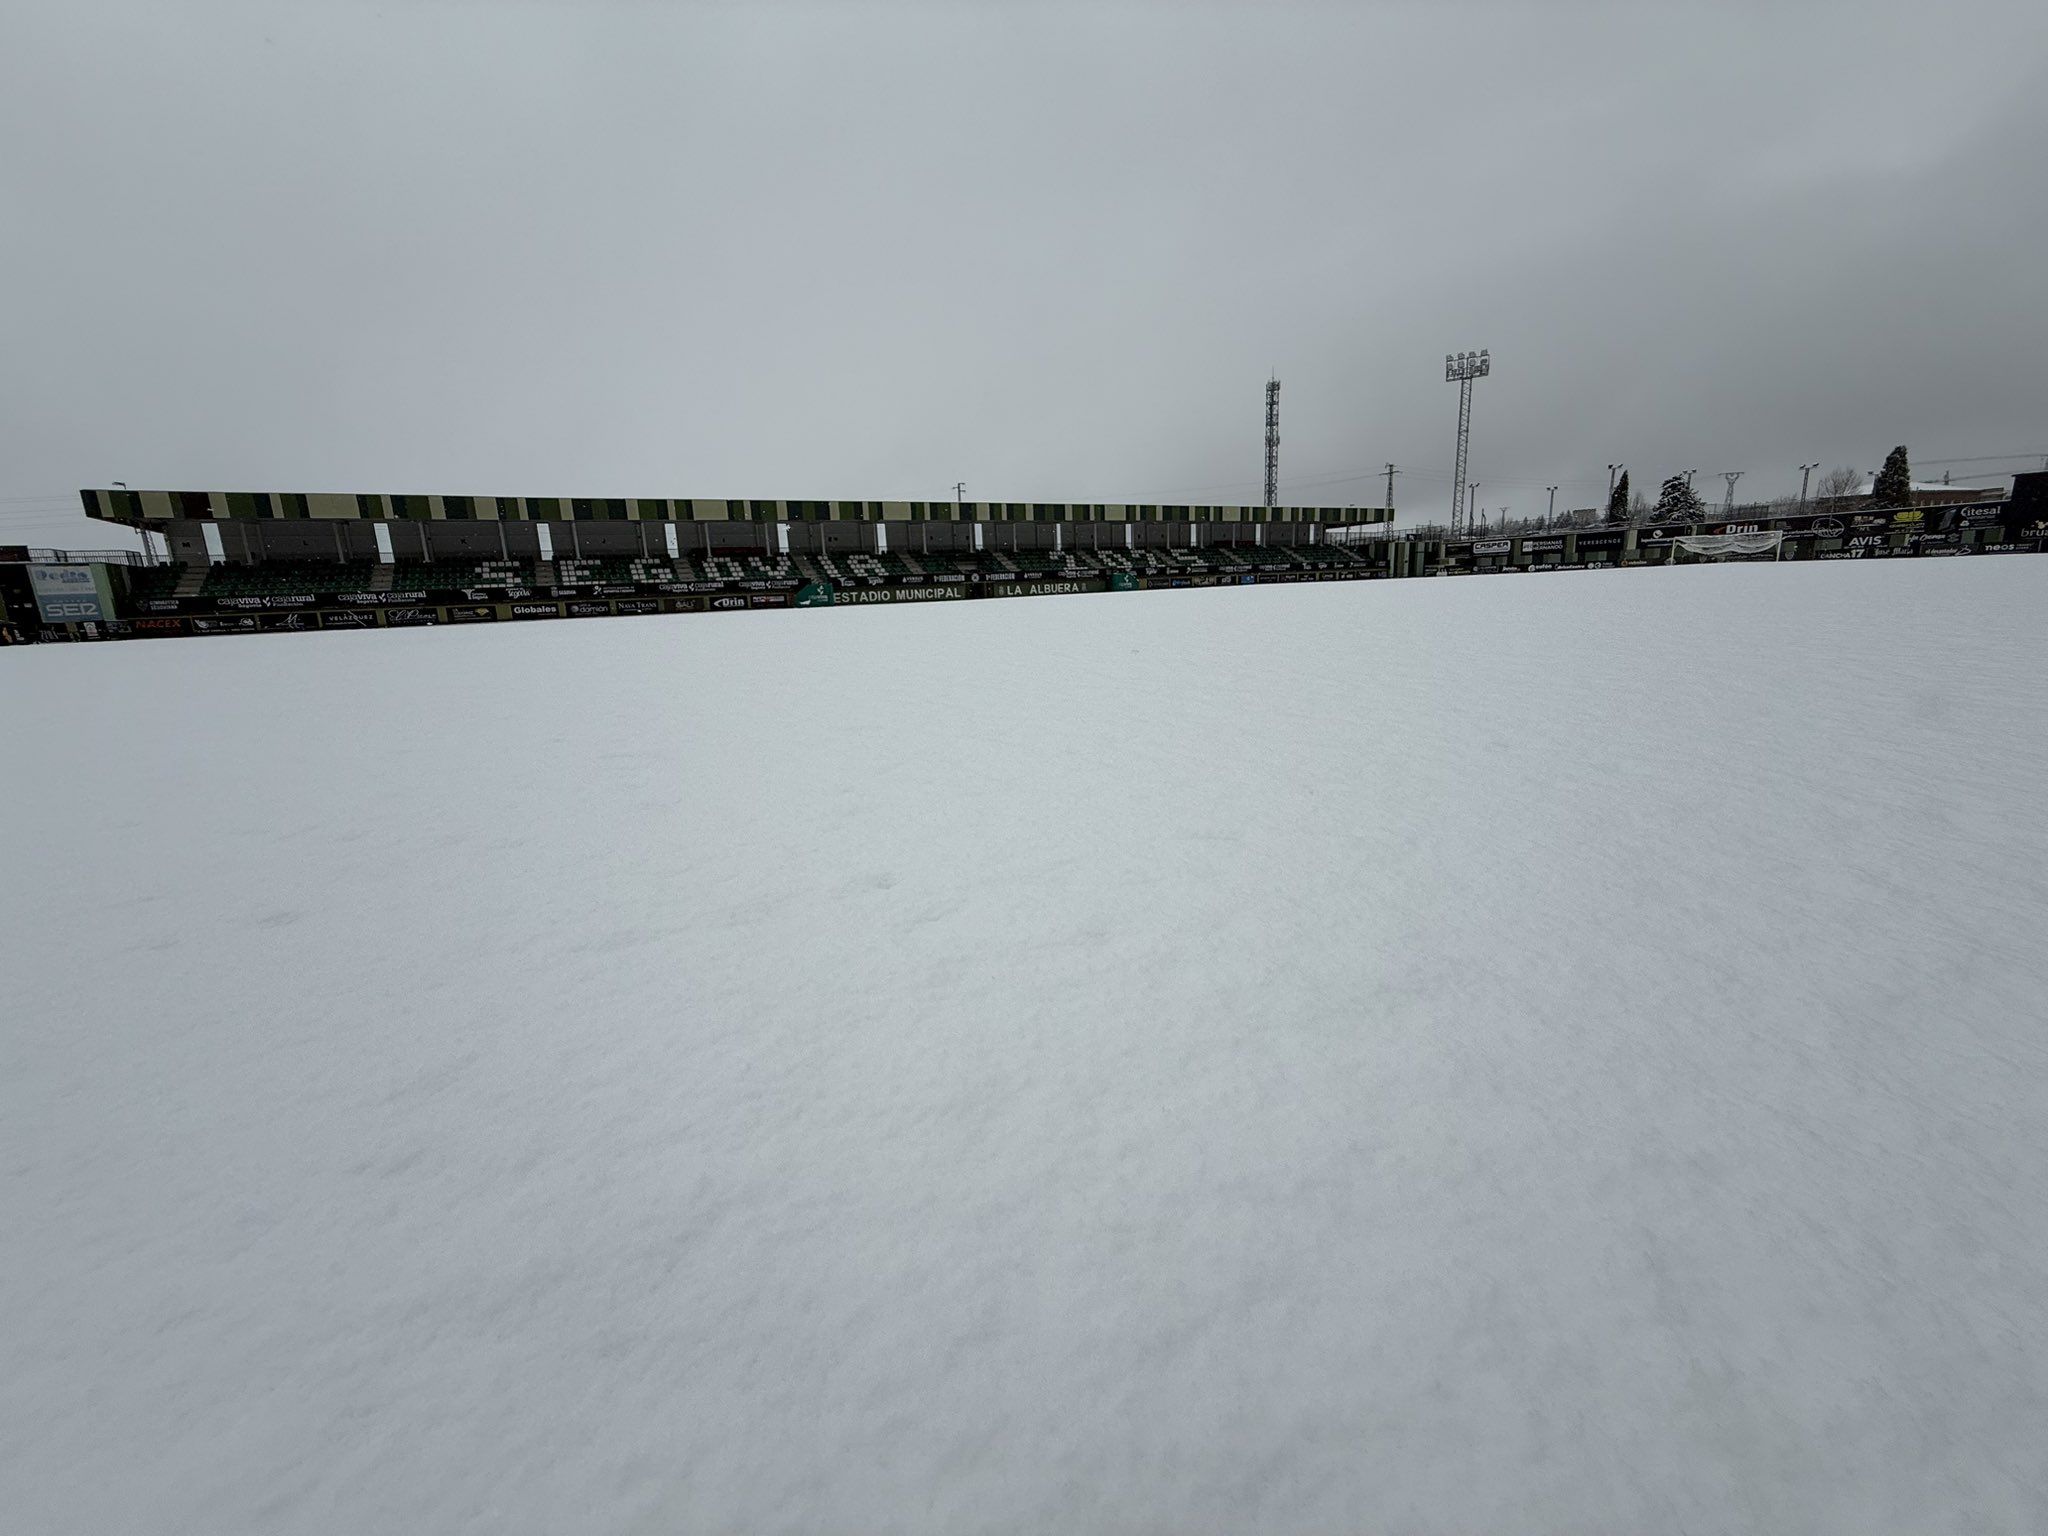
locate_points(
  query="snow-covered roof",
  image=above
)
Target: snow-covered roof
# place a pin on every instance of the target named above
(1869, 487)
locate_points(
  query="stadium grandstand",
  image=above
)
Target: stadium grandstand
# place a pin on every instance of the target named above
(247, 562)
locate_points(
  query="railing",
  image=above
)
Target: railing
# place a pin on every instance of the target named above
(86, 557)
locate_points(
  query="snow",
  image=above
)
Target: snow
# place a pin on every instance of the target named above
(1555, 1055)
(1993, 492)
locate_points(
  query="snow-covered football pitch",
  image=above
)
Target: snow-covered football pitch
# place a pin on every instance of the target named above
(1561, 1055)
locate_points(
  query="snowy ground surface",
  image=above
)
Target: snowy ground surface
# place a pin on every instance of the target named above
(1559, 1055)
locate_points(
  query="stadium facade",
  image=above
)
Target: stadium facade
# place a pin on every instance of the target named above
(261, 525)
(250, 562)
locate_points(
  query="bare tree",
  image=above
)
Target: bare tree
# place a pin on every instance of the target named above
(1838, 483)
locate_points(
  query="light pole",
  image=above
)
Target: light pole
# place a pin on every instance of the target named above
(1804, 471)
(1610, 481)
(149, 548)
(1272, 442)
(1461, 368)
(1473, 489)
(1553, 502)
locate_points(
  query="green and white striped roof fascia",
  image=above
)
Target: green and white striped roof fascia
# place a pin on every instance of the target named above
(141, 509)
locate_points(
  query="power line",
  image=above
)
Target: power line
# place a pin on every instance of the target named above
(1986, 458)
(62, 501)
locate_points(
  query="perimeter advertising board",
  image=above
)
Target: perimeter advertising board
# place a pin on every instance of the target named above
(1970, 517)
(1044, 589)
(72, 594)
(930, 594)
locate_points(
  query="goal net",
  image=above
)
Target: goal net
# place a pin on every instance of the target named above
(1719, 545)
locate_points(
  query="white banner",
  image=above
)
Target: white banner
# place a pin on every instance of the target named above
(1718, 544)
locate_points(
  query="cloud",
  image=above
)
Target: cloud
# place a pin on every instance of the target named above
(867, 251)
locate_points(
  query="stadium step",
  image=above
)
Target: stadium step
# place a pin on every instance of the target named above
(190, 581)
(380, 577)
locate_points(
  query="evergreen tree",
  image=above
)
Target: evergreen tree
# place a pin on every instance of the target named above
(1677, 502)
(1894, 487)
(1617, 500)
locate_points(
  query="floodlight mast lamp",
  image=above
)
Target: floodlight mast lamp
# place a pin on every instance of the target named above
(1461, 368)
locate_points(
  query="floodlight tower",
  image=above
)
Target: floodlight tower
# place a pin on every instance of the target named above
(1272, 442)
(1461, 368)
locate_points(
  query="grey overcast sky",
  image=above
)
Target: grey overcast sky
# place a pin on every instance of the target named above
(866, 250)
